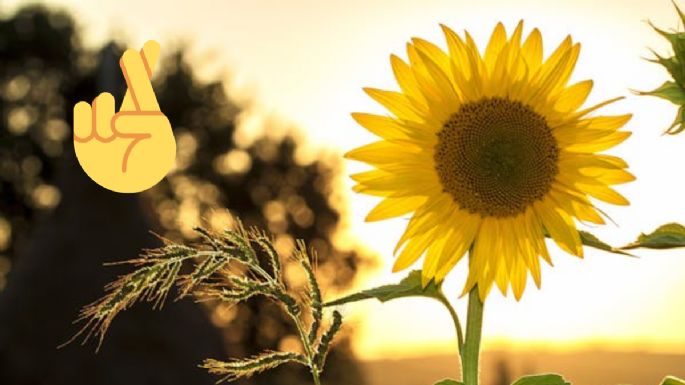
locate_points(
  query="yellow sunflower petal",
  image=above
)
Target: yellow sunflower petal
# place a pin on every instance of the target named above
(587, 213)
(466, 226)
(606, 194)
(532, 50)
(608, 176)
(574, 96)
(553, 60)
(465, 66)
(552, 75)
(597, 141)
(486, 246)
(561, 228)
(413, 251)
(381, 152)
(433, 52)
(497, 41)
(442, 159)
(407, 81)
(518, 279)
(395, 207)
(397, 103)
(448, 95)
(577, 160)
(397, 183)
(430, 262)
(502, 279)
(397, 131)
(607, 122)
(431, 215)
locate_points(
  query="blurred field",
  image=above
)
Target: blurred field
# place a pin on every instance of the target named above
(580, 368)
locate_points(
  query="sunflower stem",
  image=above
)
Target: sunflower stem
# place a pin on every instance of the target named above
(455, 320)
(309, 351)
(471, 352)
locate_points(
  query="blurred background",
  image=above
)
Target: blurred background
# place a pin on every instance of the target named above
(259, 95)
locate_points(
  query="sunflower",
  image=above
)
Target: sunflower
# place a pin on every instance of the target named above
(490, 153)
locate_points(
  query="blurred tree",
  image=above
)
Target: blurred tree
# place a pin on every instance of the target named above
(57, 227)
(502, 372)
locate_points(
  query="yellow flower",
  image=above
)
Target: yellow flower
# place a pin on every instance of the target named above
(490, 152)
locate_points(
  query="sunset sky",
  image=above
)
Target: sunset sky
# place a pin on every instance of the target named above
(306, 62)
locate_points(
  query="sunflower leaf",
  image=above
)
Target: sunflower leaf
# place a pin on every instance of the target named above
(591, 240)
(410, 286)
(666, 236)
(542, 379)
(671, 380)
(449, 381)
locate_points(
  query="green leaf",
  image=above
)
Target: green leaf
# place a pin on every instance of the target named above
(667, 236)
(589, 239)
(671, 380)
(410, 286)
(542, 379)
(449, 381)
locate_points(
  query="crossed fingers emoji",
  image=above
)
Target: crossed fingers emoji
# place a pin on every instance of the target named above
(133, 149)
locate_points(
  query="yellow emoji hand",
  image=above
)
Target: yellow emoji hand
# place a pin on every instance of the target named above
(133, 149)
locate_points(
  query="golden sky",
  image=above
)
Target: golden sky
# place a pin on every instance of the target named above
(306, 61)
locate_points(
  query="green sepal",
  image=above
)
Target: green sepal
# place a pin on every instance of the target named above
(675, 94)
(542, 379)
(672, 66)
(677, 127)
(670, 91)
(668, 236)
(410, 286)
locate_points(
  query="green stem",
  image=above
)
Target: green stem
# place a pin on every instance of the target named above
(304, 337)
(471, 351)
(308, 351)
(455, 320)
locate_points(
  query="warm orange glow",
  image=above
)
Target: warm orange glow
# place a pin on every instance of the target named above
(306, 61)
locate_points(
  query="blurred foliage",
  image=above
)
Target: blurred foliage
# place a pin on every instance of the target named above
(226, 268)
(44, 71)
(34, 109)
(502, 372)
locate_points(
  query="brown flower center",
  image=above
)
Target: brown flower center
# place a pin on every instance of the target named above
(496, 157)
